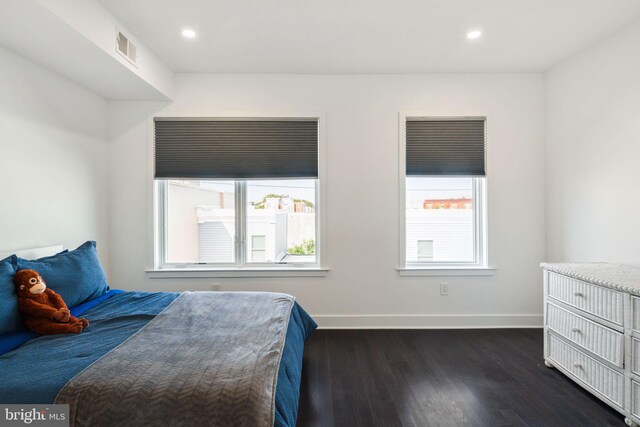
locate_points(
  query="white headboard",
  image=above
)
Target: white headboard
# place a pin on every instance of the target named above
(34, 253)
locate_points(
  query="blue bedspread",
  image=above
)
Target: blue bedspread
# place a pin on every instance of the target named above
(36, 371)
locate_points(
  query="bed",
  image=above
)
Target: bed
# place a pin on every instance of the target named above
(152, 358)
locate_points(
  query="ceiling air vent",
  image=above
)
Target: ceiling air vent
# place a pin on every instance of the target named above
(126, 48)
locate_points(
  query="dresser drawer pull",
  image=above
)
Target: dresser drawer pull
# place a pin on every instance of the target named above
(578, 294)
(577, 365)
(576, 330)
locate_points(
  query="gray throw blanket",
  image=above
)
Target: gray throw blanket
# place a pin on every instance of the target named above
(209, 359)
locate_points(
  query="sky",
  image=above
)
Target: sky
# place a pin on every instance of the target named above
(257, 189)
(420, 189)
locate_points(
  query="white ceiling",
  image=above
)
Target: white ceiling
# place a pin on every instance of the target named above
(375, 36)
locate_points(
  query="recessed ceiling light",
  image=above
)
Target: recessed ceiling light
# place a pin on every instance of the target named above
(188, 33)
(475, 34)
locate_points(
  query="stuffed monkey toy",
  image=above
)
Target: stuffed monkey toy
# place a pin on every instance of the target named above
(44, 311)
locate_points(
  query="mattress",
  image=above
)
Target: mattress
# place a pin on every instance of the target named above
(39, 368)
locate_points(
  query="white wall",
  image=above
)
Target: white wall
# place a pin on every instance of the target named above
(65, 184)
(363, 286)
(53, 155)
(77, 40)
(593, 153)
(91, 19)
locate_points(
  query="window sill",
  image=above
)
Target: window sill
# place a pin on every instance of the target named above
(446, 271)
(181, 273)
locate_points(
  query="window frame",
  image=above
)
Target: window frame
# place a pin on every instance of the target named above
(157, 226)
(480, 265)
(240, 246)
(479, 256)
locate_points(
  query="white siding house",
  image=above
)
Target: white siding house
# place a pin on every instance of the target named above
(449, 230)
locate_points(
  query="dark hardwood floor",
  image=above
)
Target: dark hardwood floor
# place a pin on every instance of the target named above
(439, 378)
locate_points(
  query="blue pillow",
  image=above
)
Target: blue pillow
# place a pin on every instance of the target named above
(9, 315)
(77, 275)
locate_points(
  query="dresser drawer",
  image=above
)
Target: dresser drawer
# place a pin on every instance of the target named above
(635, 399)
(595, 375)
(593, 299)
(635, 309)
(598, 339)
(635, 356)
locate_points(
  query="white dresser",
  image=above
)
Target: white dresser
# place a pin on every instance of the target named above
(592, 330)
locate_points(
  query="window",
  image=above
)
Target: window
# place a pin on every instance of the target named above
(279, 220)
(444, 192)
(440, 220)
(200, 221)
(283, 212)
(425, 250)
(259, 248)
(225, 206)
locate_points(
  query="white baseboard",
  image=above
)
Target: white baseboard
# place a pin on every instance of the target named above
(426, 321)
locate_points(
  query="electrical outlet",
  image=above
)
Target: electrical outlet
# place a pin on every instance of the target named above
(444, 289)
(215, 286)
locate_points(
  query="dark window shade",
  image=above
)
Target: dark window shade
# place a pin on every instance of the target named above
(235, 149)
(445, 147)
